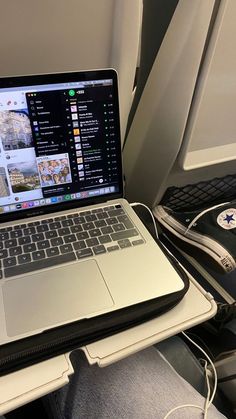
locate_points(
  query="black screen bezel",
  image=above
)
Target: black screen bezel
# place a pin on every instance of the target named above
(54, 78)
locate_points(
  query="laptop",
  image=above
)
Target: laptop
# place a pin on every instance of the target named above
(71, 247)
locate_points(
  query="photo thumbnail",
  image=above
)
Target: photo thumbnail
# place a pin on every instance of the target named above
(23, 176)
(15, 130)
(54, 170)
(4, 187)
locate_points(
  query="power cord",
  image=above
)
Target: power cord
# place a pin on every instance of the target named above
(137, 204)
(208, 372)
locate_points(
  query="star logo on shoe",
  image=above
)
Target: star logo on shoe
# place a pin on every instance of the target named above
(227, 219)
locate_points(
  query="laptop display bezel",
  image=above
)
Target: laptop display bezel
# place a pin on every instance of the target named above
(53, 78)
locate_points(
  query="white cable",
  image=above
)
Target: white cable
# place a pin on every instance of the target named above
(208, 388)
(210, 362)
(135, 204)
(181, 407)
(209, 399)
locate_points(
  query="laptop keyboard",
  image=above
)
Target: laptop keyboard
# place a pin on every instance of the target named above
(41, 244)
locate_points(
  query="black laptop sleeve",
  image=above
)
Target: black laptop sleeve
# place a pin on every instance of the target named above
(28, 351)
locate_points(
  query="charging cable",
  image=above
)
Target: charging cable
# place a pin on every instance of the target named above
(137, 204)
(208, 372)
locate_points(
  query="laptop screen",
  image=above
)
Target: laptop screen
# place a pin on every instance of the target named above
(59, 142)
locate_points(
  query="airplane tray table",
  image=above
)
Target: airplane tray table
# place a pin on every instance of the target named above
(28, 384)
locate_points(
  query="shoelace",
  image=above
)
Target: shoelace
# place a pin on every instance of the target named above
(202, 213)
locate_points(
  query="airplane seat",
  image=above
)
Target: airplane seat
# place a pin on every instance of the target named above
(180, 143)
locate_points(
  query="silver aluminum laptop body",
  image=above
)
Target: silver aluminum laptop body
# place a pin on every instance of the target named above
(71, 247)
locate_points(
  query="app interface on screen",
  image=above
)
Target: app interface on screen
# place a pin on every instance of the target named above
(58, 143)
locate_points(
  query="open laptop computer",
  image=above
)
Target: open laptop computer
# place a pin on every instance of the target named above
(70, 246)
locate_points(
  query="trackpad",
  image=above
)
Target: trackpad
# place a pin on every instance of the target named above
(45, 299)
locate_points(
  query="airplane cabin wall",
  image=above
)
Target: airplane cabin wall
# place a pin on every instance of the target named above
(60, 35)
(188, 104)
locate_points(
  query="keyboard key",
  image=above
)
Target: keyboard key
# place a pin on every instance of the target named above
(88, 226)
(64, 231)
(39, 264)
(51, 234)
(99, 249)
(28, 231)
(53, 251)
(70, 239)
(55, 226)
(9, 262)
(112, 248)
(76, 229)
(38, 237)
(79, 245)
(107, 230)
(79, 220)
(82, 236)
(43, 245)
(1, 275)
(25, 240)
(66, 248)
(84, 253)
(92, 242)
(112, 220)
(11, 243)
(100, 223)
(125, 220)
(4, 235)
(24, 258)
(15, 234)
(118, 227)
(39, 254)
(94, 233)
(29, 247)
(42, 228)
(137, 242)
(3, 254)
(104, 239)
(102, 215)
(124, 243)
(14, 251)
(57, 241)
(67, 223)
(120, 235)
(1, 245)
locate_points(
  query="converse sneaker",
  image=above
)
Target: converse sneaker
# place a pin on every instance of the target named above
(210, 233)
